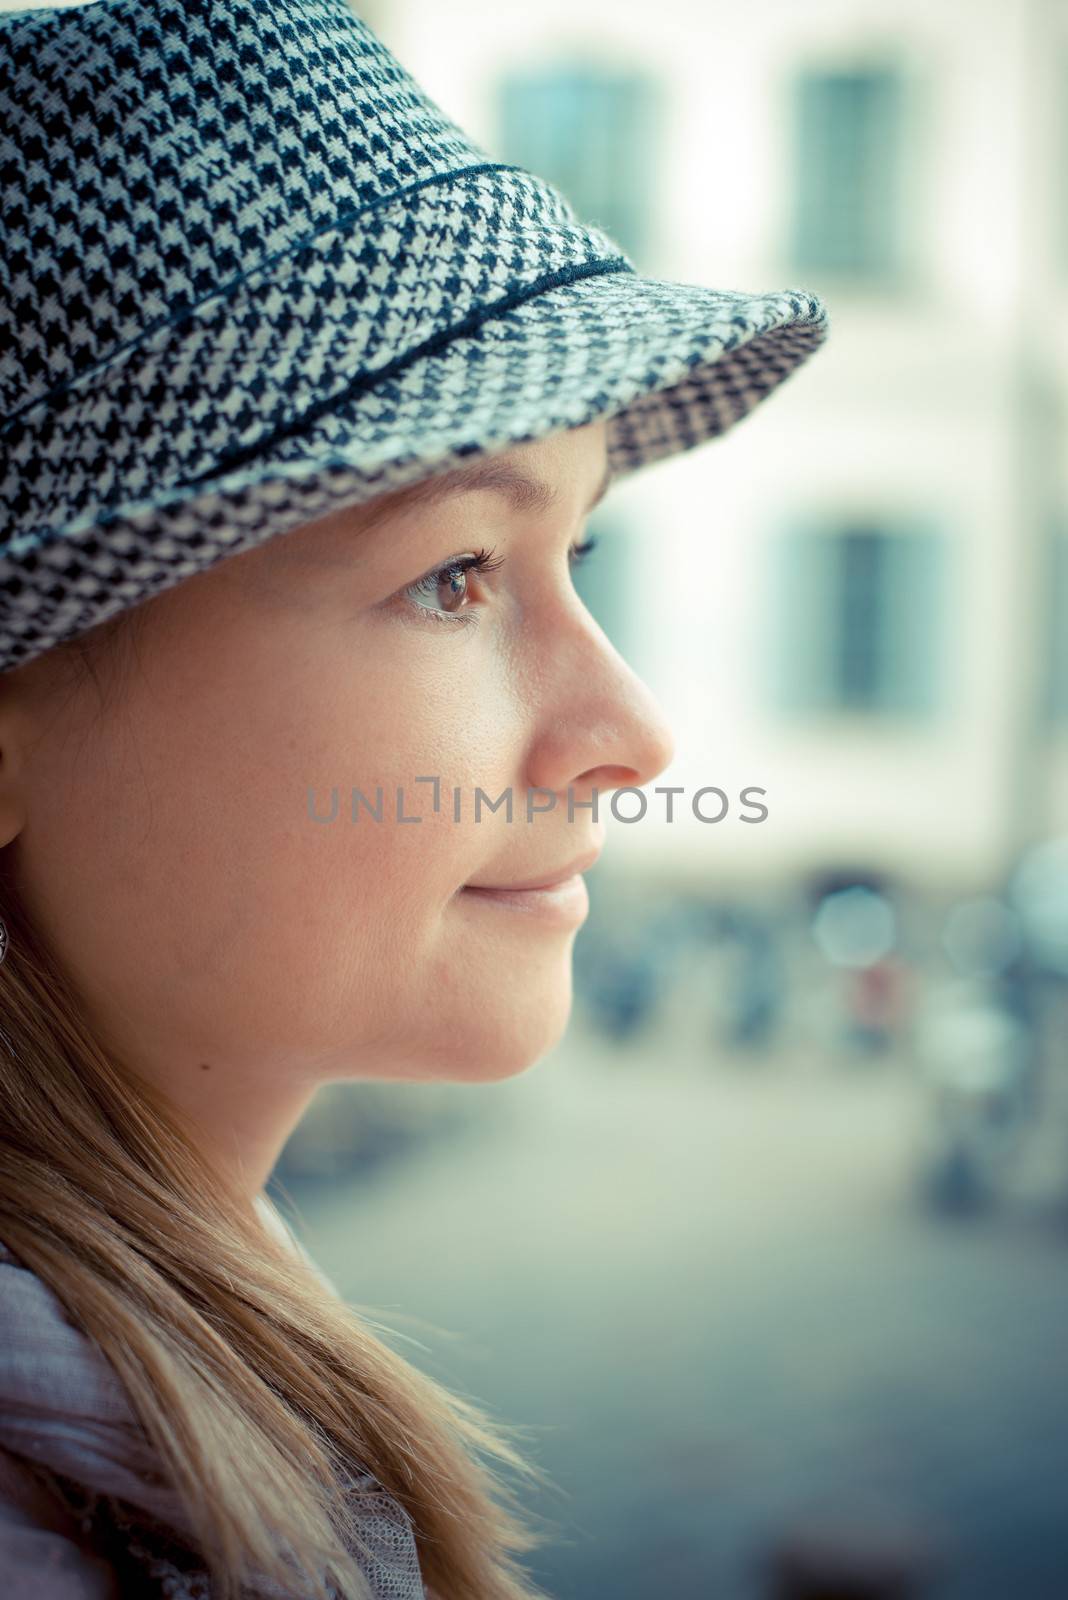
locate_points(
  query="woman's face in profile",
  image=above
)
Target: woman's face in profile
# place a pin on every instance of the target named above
(168, 850)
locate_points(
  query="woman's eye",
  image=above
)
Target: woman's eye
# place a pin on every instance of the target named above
(447, 587)
(443, 593)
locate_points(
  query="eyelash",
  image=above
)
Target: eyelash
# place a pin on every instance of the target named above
(482, 561)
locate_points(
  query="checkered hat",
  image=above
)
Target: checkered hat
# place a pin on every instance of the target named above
(251, 271)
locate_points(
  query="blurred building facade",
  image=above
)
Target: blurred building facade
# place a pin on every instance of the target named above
(858, 601)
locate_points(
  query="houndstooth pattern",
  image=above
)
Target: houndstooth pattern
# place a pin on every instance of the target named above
(148, 1560)
(149, 1557)
(252, 271)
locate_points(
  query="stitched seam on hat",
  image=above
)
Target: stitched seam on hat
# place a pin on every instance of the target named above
(437, 341)
(234, 284)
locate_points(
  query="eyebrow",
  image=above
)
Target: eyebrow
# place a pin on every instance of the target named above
(525, 491)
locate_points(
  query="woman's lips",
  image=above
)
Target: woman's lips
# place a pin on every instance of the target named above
(567, 901)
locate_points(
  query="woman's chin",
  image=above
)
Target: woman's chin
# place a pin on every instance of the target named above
(500, 1045)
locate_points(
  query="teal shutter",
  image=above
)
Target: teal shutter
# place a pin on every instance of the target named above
(918, 617)
(861, 640)
(1057, 629)
(858, 620)
(604, 581)
(848, 204)
(802, 623)
(594, 134)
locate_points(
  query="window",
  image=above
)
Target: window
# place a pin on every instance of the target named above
(847, 158)
(1057, 698)
(859, 620)
(604, 581)
(591, 132)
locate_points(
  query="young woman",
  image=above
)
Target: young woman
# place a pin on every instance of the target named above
(305, 401)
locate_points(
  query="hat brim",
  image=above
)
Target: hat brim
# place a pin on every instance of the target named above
(667, 365)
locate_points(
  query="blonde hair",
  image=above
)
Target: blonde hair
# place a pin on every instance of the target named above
(257, 1387)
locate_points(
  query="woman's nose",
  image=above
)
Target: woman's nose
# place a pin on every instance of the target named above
(600, 725)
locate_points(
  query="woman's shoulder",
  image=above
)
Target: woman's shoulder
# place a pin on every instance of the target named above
(35, 1332)
(66, 1450)
(47, 1363)
(43, 1555)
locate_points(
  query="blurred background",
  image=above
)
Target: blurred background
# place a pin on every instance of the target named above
(770, 1256)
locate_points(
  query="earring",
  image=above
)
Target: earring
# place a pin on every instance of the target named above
(3, 939)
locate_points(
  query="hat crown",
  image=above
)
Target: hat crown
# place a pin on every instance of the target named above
(153, 151)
